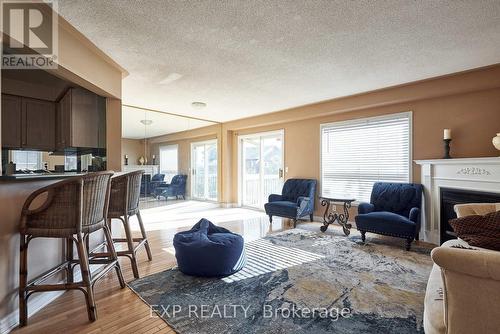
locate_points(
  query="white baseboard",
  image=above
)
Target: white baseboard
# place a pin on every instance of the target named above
(36, 302)
(228, 205)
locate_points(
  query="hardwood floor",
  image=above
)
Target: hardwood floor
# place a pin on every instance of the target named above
(122, 311)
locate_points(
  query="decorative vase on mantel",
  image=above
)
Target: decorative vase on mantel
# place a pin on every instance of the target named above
(496, 141)
(142, 160)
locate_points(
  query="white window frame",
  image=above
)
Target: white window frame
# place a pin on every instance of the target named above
(159, 157)
(408, 114)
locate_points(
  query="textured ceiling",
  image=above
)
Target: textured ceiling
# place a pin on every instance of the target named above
(245, 58)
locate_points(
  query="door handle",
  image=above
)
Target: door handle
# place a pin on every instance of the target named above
(281, 173)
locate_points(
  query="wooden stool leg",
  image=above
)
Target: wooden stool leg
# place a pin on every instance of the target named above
(112, 252)
(23, 281)
(110, 226)
(69, 258)
(84, 266)
(130, 245)
(143, 232)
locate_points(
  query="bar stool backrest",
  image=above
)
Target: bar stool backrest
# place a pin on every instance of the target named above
(125, 193)
(96, 190)
(70, 206)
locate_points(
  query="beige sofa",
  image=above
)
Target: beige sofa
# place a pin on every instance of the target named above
(463, 292)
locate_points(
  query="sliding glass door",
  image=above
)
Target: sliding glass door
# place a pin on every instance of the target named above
(260, 167)
(204, 170)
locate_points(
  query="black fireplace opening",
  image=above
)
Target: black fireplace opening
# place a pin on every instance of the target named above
(450, 197)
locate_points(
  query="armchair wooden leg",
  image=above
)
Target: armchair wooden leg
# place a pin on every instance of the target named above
(144, 236)
(23, 281)
(294, 223)
(363, 236)
(417, 236)
(270, 219)
(311, 218)
(408, 243)
(84, 266)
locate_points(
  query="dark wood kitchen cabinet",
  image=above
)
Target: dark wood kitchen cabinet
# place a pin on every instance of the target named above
(11, 121)
(28, 123)
(79, 119)
(38, 130)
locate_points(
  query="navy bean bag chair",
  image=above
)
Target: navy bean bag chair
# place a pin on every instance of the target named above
(209, 251)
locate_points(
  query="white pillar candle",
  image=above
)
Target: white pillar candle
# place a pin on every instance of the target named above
(126, 156)
(447, 134)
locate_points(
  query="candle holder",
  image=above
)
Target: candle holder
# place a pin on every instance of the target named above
(447, 148)
(126, 161)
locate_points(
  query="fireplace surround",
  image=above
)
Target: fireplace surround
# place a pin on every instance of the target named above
(446, 181)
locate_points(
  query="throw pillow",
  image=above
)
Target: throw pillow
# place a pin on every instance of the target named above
(479, 231)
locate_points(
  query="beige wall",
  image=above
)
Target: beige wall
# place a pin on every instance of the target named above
(468, 103)
(134, 148)
(52, 160)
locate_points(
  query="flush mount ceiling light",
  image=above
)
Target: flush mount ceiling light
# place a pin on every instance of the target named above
(146, 121)
(198, 105)
(170, 78)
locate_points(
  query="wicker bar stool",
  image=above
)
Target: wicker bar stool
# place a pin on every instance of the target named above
(72, 210)
(123, 204)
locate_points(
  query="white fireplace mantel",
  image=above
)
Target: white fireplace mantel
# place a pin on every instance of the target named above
(475, 174)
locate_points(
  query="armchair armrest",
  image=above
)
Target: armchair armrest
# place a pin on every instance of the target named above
(275, 198)
(364, 207)
(473, 262)
(414, 214)
(471, 288)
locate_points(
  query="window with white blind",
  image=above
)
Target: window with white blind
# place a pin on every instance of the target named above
(356, 154)
(169, 161)
(31, 160)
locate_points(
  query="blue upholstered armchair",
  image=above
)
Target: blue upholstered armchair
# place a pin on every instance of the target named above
(296, 200)
(176, 187)
(394, 211)
(156, 180)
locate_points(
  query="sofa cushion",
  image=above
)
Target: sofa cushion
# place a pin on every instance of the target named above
(282, 208)
(479, 231)
(385, 222)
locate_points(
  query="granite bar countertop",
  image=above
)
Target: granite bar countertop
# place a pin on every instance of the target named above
(38, 176)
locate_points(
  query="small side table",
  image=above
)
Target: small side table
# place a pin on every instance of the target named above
(332, 217)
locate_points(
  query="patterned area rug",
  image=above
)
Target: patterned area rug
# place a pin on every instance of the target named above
(300, 281)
